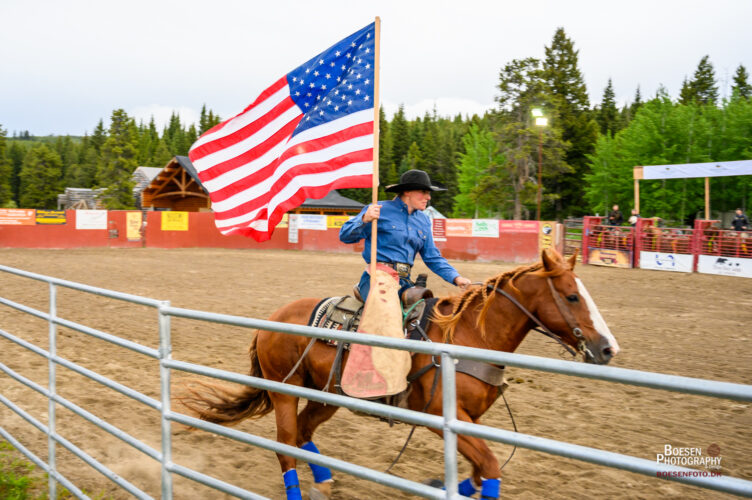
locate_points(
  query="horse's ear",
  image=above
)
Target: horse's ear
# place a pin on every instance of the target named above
(550, 259)
(573, 259)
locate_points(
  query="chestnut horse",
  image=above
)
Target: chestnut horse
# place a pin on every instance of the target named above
(481, 316)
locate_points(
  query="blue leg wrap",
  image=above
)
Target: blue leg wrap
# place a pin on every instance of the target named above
(292, 485)
(490, 489)
(320, 473)
(466, 488)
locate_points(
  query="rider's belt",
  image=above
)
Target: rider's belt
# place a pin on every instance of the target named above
(402, 269)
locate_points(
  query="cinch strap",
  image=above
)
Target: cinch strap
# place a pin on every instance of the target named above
(292, 485)
(490, 489)
(320, 473)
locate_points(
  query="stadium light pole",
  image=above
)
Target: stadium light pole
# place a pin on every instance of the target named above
(540, 121)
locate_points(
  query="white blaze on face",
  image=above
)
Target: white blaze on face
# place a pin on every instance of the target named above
(595, 315)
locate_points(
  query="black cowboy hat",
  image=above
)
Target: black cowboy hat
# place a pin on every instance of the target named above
(414, 179)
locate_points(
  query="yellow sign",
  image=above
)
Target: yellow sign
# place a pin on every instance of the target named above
(546, 236)
(283, 222)
(174, 221)
(50, 216)
(336, 221)
(133, 226)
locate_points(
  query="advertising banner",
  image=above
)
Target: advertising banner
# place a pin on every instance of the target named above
(17, 216)
(519, 226)
(610, 258)
(546, 236)
(438, 229)
(292, 230)
(133, 226)
(50, 217)
(660, 261)
(725, 266)
(312, 221)
(336, 221)
(486, 228)
(91, 219)
(459, 227)
(174, 221)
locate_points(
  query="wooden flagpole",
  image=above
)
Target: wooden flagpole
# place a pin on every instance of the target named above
(375, 182)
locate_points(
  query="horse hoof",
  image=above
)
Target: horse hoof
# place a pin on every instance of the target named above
(320, 491)
(434, 483)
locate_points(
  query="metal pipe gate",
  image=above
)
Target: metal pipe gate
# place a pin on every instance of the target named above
(448, 422)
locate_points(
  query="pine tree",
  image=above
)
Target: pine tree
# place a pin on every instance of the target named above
(400, 136)
(608, 115)
(40, 177)
(118, 161)
(741, 86)
(15, 155)
(703, 84)
(687, 92)
(98, 136)
(207, 120)
(566, 83)
(161, 155)
(522, 87)
(6, 173)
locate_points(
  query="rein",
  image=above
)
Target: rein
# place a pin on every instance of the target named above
(541, 328)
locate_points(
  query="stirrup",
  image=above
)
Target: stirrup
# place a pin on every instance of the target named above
(356, 293)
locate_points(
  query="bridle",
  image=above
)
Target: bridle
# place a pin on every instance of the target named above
(565, 313)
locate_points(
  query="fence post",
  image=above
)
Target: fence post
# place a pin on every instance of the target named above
(165, 354)
(449, 406)
(52, 385)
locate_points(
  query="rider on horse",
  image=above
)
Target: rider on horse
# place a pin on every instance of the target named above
(403, 231)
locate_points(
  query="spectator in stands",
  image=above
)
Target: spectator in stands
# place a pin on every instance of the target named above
(740, 222)
(615, 218)
(633, 218)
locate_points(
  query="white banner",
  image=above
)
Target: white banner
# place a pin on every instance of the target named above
(726, 266)
(659, 261)
(91, 219)
(312, 221)
(292, 228)
(486, 228)
(690, 170)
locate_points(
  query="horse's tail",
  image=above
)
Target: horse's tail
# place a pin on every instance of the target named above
(225, 405)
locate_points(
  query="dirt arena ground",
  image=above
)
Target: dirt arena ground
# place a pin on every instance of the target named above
(685, 324)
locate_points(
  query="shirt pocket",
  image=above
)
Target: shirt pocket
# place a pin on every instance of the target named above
(417, 238)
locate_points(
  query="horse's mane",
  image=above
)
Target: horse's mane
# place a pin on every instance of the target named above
(461, 302)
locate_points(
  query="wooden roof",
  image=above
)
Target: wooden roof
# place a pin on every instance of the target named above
(176, 187)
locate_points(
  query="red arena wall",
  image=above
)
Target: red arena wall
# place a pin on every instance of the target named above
(512, 244)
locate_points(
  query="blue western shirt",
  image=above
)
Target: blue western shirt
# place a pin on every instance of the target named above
(400, 237)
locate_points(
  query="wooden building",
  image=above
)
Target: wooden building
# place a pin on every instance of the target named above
(177, 187)
(80, 199)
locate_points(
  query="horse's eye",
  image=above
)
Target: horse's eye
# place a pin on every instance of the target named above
(573, 298)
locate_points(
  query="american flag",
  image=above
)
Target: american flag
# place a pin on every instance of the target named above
(310, 132)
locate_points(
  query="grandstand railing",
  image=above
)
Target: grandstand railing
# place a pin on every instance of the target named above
(448, 422)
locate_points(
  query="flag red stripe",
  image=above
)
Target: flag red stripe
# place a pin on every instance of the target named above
(250, 155)
(318, 144)
(295, 201)
(270, 91)
(304, 169)
(242, 133)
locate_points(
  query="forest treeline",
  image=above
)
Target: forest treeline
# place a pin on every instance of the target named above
(489, 163)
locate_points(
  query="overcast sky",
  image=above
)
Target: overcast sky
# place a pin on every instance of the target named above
(66, 64)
